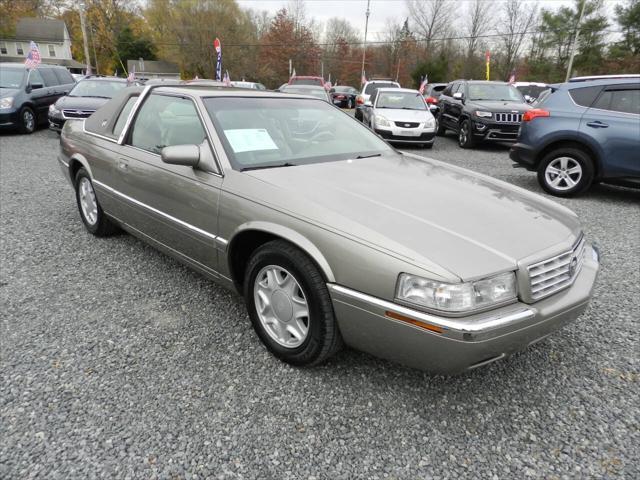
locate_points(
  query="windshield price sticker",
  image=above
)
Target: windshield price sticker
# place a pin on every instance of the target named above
(250, 140)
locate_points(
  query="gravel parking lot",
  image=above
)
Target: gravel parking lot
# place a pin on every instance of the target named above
(118, 362)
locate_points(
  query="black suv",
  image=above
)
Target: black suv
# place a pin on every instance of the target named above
(481, 111)
(25, 94)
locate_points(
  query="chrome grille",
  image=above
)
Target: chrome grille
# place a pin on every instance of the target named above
(554, 274)
(407, 124)
(504, 117)
(77, 113)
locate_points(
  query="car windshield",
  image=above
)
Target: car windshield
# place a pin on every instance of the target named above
(278, 132)
(402, 100)
(314, 92)
(372, 87)
(11, 77)
(96, 88)
(305, 81)
(494, 91)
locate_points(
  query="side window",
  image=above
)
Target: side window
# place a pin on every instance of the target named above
(373, 97)
(19, 50)
(163, 121)
(3, 48)
(585, 96)
(124, 114)
(35, 77)
(50, 79)
(63, 76)
(448, 91)
(625, 101)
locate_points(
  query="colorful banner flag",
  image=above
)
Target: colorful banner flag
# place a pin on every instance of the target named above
(218, 46)
(33, 57)
(487, 57)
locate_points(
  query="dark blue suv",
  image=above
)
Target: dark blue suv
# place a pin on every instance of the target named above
(581, 132)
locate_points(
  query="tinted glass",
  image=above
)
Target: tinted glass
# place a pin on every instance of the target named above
(11, 77)
(314, 92)
(163, 121)
(63, 76)
(124, 114)
(448, 90)
(342, 89)
(50, 79)
(494, 91)
(585, 96)
(625, 101)
(96, 88)
(374, 86)
(260, 132)
(35, 77)
(305, 81)
(404, 100)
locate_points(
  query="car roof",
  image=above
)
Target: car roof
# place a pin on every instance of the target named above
(527, 84)
(305, 87)
(22, 65)
(307, 77)
(477, 82)
(382, 81)
(398, 90)
(609, 80)
(206, 91)
(100, 78)
(624, 76)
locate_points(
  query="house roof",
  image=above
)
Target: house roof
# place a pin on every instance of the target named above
(65, 62)
(153, 66)
(40, 29)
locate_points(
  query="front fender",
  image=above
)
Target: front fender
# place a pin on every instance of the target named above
(292, 236)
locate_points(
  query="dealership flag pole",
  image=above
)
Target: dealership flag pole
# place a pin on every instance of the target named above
(84, 38)
(575, 42)
(364, 46)
(487, 57)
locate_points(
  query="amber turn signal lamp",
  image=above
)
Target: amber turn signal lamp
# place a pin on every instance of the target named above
(412, 321)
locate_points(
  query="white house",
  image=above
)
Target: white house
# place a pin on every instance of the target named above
(52, 38)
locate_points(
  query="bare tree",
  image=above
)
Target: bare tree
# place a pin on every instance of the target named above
(477, 23)
(429, 18)
(518, 18)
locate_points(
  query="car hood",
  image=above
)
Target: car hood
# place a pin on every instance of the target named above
(423, 210)
(500, 106)
(8, 92)
(400, 115)
(80, 103)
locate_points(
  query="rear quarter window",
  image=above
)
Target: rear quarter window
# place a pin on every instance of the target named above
(63, 76)
(50, 79)
(585, 96)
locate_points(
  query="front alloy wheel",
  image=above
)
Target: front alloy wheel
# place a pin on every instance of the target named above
(27, 120)
(289, 305)
(91, 213)
(465, 138)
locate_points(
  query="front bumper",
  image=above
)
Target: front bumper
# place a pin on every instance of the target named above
(493, 131)
(453, 345)
(9, 117)
(56, 123)
(395, 135)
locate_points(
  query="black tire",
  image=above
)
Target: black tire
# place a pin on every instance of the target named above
(358, 116)
(102, 226)
(323, 339)
(349, 104)
(440, 128)
(575, 158)
(28, 120)
(465, 137)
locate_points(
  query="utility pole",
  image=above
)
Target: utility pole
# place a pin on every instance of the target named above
(575, 41)
(364, 46)
(84, 38)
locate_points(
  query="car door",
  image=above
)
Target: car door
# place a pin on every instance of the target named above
(39, 96)
(457, 105)
(447, 102)
(613, 121)
(52, 86)
(174, 205)
(65, 81)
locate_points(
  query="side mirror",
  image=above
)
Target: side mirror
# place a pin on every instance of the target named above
(529, 99)
(458, 96)
(187, 155)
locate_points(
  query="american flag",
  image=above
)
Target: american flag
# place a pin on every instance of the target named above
(423, 84)
(33, 57)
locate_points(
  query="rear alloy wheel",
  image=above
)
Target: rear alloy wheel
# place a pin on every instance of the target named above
(27, 120)
(289, 305)
(465, 137)
(565, 172)
(91, 213)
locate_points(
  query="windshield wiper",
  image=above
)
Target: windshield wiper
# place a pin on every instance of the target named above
(261, 167)
(369, 156)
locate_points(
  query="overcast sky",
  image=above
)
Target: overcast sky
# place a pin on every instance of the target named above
(354, 10)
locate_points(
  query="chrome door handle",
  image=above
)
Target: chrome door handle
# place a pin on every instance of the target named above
(597, 124)
(123, 164)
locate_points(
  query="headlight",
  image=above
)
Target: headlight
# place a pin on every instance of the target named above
(53, 109)
(483, 114)
(431, 122)
(382, 121)
(6, 102)
(456, 297)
